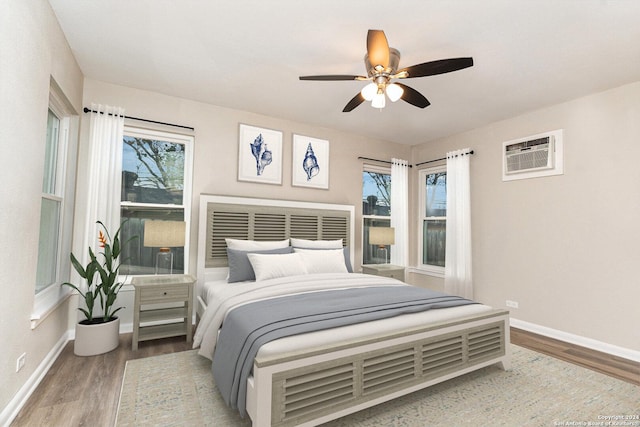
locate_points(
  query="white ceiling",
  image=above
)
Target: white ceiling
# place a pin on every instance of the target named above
(248, 54)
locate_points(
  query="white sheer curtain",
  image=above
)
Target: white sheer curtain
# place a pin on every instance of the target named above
(457, 271)
(400, 210)
(104, 172)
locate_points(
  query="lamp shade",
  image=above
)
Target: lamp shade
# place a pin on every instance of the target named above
(369, 91)
(164, 234)
(382, 236)
(394, 92)
(378, 100)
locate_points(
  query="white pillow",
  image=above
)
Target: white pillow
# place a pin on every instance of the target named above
(316, 244)
(323, 261)
(254, 245)
(273, 266)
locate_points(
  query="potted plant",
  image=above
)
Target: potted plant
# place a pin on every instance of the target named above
(99, 334)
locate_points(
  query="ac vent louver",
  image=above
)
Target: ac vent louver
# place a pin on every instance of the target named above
(530, 155)
(534, 156)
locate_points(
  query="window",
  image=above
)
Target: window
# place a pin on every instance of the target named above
(433, 217)
(156, 185)
(56, 204)
(376, 210)
(50, 207)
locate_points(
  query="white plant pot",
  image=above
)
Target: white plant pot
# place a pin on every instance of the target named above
(97, 339)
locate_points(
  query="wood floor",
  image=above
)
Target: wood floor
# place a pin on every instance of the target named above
(84, 391)
(613, 366)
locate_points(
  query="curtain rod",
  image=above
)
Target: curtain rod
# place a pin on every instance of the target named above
(86, 110)
(438, 160)
(381, 161)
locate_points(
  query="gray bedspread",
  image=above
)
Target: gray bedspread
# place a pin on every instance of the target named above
(249, 326)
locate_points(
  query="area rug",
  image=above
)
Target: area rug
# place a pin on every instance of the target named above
(177, 390)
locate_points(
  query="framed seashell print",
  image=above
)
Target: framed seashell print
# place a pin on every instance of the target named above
(310, 162)
(259, 155)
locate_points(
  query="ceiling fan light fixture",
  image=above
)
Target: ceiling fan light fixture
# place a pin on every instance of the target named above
(381, 63)
(369, 91)
(378, 100)
(394, 92)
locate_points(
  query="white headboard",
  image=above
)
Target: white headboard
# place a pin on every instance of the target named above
(264, 219)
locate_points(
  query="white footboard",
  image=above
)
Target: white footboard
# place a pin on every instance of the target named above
(312, 388)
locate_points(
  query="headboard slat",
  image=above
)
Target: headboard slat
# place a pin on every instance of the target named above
(259, 222)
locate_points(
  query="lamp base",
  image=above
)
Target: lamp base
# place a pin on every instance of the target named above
(164, 261)
(382, 253)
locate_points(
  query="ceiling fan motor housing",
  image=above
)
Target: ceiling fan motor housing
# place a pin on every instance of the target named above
(394, 61)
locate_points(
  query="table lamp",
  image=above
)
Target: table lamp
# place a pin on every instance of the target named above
(164, 235)
(382, 236)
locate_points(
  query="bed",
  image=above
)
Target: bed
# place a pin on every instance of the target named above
(321, 375)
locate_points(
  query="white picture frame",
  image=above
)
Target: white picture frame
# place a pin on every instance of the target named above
(310, 163)
(259, 161)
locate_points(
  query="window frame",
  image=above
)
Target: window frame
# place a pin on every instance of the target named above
(188, 142)
(380, 170)
(432, 270)
(49, 297)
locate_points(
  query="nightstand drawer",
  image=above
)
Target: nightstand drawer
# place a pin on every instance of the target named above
(163, 293)
(396, 274)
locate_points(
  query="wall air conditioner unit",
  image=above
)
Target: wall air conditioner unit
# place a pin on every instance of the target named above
(533, 156)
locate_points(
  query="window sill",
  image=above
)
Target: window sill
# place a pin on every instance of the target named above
(43, 307)
(434, 272)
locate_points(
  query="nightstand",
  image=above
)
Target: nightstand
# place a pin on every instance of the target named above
(386, 270)
(163, 307)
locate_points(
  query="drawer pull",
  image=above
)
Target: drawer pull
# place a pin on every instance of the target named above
(164, 293)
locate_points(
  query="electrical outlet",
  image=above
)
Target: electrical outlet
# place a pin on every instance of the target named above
(512, 304)
(21, 361)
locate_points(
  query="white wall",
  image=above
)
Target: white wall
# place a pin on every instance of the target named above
(564, 247)
(32, 50)
(216, 154)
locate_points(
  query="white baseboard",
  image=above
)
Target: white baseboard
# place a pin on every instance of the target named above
(592, 344)
(126, 328)
(11, 410)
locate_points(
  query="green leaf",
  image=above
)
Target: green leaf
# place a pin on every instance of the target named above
(78, 267)
(92, 256)
(108, 257)
(71, 285)
(115, 311)
(116, 246)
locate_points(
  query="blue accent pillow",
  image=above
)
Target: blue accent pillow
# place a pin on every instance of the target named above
(240, 268)
(347, 259)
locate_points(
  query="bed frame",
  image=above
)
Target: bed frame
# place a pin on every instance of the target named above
(313, 387)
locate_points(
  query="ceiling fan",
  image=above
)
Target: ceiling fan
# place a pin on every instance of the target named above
(382, 62)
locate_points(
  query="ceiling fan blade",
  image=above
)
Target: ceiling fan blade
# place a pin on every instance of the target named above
(333, 77)
(437, 67)
(377, 48)
(355, 101)
(413, 97)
